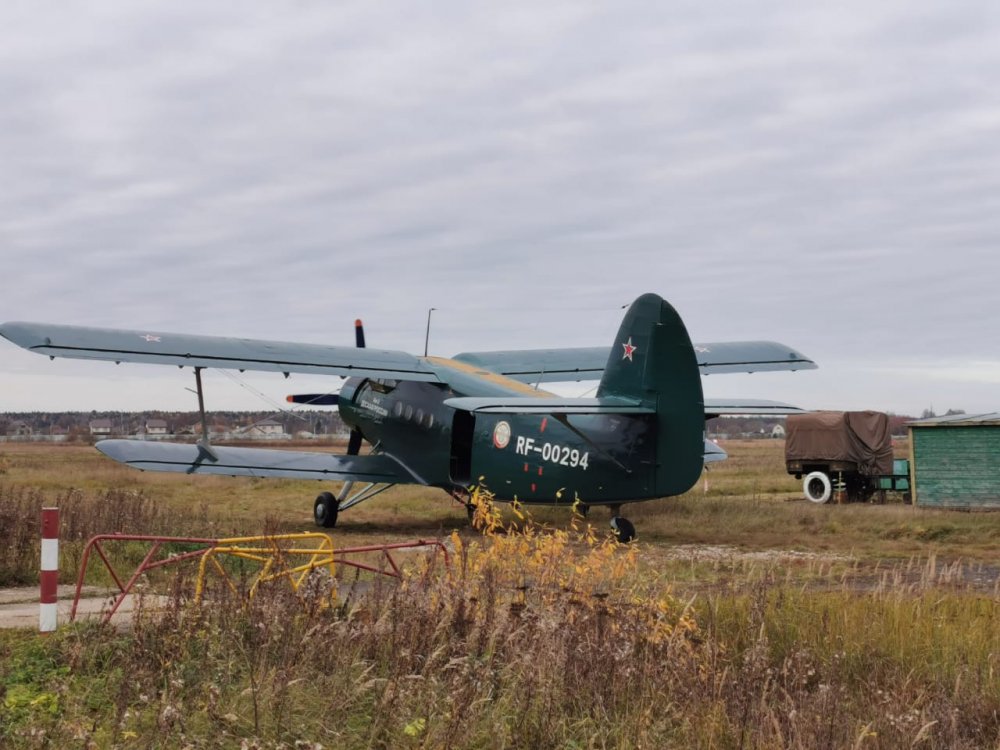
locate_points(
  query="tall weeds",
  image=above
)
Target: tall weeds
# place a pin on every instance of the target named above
(82, 515)
(532, 638)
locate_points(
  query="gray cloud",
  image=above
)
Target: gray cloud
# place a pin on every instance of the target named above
(821, 175)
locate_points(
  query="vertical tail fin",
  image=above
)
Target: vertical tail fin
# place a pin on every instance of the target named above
(653, 360)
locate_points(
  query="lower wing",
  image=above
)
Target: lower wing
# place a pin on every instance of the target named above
(255, 462)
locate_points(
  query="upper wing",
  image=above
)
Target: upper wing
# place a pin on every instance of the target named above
(542, 365)
(750, 356)
(587, 363)
(255, 462)
(213, 351)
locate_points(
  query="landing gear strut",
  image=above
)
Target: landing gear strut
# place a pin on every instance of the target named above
(325, 510)
(622, 527)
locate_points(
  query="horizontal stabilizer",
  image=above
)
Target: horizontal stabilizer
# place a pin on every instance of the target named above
(714, 453)
(516, 405)
(606, 405)
(190, 458)
(715, 407)
(116, 345)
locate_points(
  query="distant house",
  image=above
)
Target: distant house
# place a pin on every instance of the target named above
(218, 427)
(265, 429)
(156, 427)
(19, 429)
(100, 427)
(778, 431)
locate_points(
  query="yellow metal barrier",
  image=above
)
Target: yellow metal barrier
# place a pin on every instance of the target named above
(273, 557)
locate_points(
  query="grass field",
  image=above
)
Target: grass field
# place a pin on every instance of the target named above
(743, 617)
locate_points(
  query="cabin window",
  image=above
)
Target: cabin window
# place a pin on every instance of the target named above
(409, 412)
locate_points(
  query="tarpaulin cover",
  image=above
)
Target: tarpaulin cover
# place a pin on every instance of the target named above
(861, 437)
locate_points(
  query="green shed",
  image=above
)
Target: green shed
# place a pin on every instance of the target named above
(955, 461)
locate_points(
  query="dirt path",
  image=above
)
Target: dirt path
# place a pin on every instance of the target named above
(19, 606)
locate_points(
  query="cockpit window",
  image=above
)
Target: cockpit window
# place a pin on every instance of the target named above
(383, 385)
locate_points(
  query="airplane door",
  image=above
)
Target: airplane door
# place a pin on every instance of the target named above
(463, 428)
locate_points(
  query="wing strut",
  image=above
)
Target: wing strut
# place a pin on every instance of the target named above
(368, 491)
(204, 446)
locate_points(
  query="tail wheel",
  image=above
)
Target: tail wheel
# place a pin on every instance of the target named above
(325, 510)
(817, 488)
(623, 529)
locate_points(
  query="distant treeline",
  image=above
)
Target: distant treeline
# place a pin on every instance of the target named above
(79, 423)
(735, 427)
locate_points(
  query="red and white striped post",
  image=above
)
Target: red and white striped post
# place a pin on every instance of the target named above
(49, 578)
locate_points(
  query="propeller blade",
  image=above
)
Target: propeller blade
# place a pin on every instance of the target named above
(354, 443)
(314, 399)
(359, 334)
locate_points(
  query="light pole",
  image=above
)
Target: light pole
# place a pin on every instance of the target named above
(427, 337)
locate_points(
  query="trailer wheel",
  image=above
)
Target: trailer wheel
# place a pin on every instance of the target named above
(817, 488)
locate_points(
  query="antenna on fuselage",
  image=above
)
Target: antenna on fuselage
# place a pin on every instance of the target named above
(427, 336)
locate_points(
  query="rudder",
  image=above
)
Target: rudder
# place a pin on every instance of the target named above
(653, 360)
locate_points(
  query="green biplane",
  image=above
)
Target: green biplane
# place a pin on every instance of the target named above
(475, 419)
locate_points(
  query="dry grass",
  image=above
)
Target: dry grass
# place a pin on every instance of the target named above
(743, 619)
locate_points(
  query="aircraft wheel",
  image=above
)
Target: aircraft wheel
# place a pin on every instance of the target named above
(325, 510)
(817, 488)
(623, 529)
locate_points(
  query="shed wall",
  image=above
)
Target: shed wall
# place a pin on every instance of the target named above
(957, 467)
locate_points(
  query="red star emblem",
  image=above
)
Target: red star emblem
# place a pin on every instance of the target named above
(629, 349)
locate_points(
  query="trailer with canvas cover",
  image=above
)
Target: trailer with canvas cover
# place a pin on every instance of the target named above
(843, 455)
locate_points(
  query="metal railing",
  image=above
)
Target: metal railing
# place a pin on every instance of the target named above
(288, 557)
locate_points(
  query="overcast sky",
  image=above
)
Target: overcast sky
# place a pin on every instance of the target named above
(825, 175)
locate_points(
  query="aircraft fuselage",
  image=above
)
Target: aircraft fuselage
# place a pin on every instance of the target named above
(533, 458)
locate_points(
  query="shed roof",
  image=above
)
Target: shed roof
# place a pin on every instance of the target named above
(958, 420)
